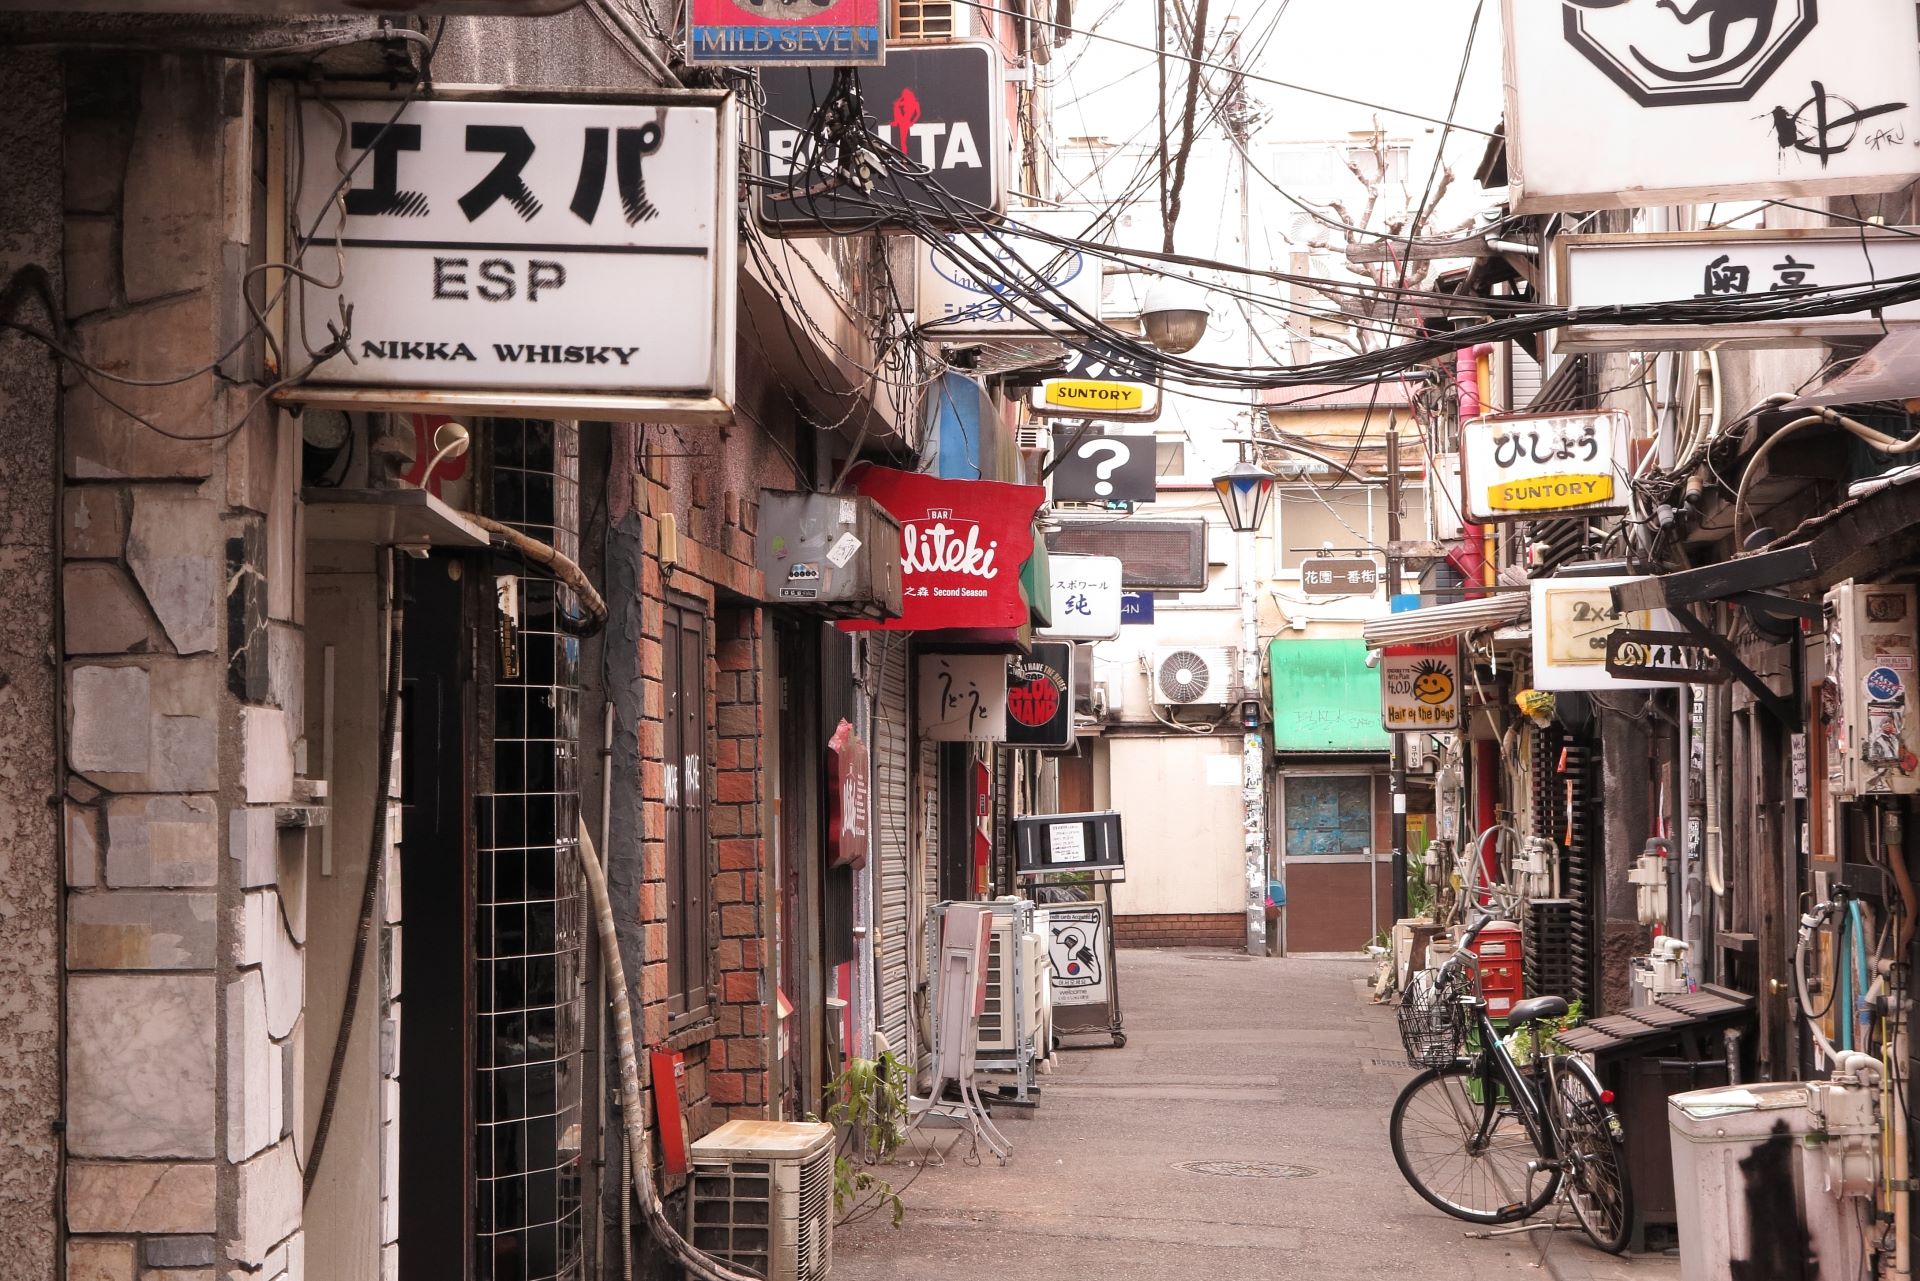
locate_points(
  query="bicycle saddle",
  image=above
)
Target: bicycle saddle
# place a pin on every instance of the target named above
(1538, 1009)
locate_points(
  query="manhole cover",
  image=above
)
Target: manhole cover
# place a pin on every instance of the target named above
(1247, 1169)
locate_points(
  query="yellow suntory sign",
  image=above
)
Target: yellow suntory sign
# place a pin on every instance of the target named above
(1080, 393)
(1549, 493)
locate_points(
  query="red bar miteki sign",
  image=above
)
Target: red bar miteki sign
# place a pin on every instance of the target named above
(962, 545)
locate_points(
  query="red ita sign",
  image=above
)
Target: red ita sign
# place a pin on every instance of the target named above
(962, 545)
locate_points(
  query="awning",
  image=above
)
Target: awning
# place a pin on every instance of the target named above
(1889, 371)
(1437, 622)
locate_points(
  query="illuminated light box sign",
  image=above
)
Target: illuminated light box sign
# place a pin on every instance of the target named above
(1097, 383)
(509, 256)
(972, 286)
(1574, 619)
(962, 546)
(1040, 697)
(1085, 594)
(1518, 468)
(1688, 266)
(1094, 468)
(745, 33)
(1634, 103)
(1420, 687)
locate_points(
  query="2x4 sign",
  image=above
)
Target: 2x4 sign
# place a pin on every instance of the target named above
(572, 256)
(1678, 657)
(1519, 468)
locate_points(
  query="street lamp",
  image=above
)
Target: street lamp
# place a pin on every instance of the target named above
(1174, 314)
(1244, 493)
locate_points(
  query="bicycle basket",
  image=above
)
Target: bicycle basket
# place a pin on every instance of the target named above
(1433, 1022)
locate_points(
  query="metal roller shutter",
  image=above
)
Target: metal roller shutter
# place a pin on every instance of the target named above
(892, 821)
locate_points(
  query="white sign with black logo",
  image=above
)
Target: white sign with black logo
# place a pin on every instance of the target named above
(1621, 103)
(572, 256)
(1521, 468)
(1007, 283)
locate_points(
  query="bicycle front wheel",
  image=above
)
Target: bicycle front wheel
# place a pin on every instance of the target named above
(1593, 1153)
(1466, 1151)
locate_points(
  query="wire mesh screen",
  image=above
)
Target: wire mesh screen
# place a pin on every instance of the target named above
(530, 933)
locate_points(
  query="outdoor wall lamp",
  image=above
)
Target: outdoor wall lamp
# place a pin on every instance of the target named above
(1244, 493)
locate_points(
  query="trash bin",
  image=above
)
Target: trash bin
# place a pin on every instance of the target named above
(1751, 1189)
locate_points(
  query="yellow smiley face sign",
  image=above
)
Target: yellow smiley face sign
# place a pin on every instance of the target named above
(1433, 683)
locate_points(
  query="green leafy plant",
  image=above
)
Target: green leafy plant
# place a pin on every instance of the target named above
(868, 1106)
(1520, 1041)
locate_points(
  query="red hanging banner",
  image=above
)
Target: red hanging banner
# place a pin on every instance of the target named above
(962, 545)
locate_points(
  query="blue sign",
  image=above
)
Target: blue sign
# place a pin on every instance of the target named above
(1136, 607)
(1883, 683)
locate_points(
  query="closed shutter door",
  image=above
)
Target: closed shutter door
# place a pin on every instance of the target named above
(891, 824)
(928, 816)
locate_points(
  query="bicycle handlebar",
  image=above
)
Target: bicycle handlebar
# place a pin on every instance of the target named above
(1461, 949)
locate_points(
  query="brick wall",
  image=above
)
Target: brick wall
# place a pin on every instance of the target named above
(1176, 929)
(737, 1062)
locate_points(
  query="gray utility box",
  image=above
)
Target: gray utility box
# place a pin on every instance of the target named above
(837, 554)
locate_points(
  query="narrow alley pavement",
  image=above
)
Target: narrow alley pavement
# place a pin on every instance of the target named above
(1241, 1132)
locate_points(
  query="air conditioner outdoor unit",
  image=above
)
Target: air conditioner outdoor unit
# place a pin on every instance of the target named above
(761, 1198)
(1193, 674)
(1010, 984)
(931, 20)
(1035, 440)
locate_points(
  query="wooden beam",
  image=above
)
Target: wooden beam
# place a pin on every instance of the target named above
(1389, 250)
(1715, 582)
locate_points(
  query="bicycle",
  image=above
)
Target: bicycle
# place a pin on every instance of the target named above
(1490, 1140)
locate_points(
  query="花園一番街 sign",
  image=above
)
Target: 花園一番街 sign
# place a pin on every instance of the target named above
(1420, 686)
(827, 33)
(1339, 576)
(1517, 468)
(563, 255)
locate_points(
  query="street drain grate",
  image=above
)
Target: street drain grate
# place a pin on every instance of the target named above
(1247, 1169)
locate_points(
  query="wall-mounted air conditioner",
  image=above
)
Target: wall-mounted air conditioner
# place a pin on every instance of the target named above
(931, 20)
(761, 1198)
(1183, 675)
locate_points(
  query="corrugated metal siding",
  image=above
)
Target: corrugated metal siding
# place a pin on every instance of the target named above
(927, 887)
(893, 823)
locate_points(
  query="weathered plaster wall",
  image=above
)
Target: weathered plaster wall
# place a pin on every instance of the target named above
(30, 98)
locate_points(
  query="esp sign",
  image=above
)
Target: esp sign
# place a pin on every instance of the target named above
(561, 255)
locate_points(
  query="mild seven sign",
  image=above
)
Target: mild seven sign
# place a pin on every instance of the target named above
(573, 256)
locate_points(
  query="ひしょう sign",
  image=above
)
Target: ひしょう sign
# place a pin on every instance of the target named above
(1516, 468)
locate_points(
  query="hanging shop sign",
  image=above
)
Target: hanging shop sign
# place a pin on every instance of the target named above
(1162, 555)
(755, 33)
(962, 543)
(1420, 687)
(1040, 697)
(1573, 621)
(1093, 468)
(1098, 383)
(972, 286)
(569, 257)
(1340, 576)
(1673, 657)
(943, 105)
(1086, 597)
(1596, 272)
(849, 800)
(1136, 608)
(1557, 464)
(963, 698)
(1631, 103)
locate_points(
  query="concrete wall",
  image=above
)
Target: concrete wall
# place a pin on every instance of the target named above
(1183, 824)
(31, 92)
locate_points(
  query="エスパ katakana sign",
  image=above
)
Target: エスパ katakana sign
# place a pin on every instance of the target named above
(570, 256)
(744, 33)
(1420, 686)
(1086, 597)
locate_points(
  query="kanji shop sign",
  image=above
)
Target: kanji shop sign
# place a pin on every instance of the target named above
(1420, 687)
(1097, 383)
(1339, 576)
(1634, 103)
(963, 698)
(1040, 697)
(516, 255)
(1085, 597)
(962, 544)
(1623, 270)
(943, 105)
(849, 807)
(744, 33)
(1678, 657)
(1518, 468)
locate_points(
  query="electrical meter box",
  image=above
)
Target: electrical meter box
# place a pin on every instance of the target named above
(1867, 708)
(837, 554)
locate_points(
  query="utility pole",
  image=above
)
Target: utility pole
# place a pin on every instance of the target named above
(1397, 769)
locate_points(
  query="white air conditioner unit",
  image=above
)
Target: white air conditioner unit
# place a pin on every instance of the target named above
(1035, 439)
(931, 20)
(1194, 674)
(1003, 1027)
(761, 1198)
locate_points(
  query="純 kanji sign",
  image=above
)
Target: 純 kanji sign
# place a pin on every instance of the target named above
(1420, 686)
(744, 33)
(962, 544)
(569, 256)
(1040, 697)
(1085, 597)
(942, 105)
